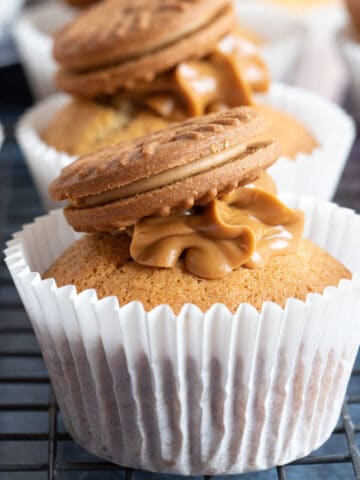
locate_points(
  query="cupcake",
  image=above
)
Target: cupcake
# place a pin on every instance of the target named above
(252, 373)
(131, 91)
(349, 45)
(35, 29)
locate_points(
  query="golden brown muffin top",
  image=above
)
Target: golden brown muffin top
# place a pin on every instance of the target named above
(101, 261)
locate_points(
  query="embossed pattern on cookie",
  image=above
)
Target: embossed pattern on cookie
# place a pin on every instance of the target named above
(171, 170)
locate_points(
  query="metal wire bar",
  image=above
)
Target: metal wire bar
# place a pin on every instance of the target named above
(323, 459)
(35, 437)
(24, 380)
(52, 437)
(281, 473)
(24, 407)
(26, 467)
(87, 466)
(128, 474)
(350, 437)
(6, 328)
(20, 354)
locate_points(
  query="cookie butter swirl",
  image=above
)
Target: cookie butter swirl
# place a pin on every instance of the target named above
(244, 228)
(227, 78)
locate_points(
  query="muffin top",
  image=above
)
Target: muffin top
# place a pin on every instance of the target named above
(102, 262)
(84, 126)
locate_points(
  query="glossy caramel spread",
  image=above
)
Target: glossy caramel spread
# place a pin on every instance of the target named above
(244, 228)
(225, 79)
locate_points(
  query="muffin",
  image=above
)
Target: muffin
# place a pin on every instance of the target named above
(103, 262)
(294, 137)
(195, 69)
(98, 125)
(193, 219)
(104, 196)
(224, 76)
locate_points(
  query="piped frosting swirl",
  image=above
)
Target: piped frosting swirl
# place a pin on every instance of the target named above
(244, 228)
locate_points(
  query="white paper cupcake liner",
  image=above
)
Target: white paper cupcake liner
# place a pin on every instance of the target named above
(44, 162)
(350, 50)
(8, 11)
(315, 174)
(318, 55)
(327, 16)
(33, 34)
(283, 36)
(197, 393)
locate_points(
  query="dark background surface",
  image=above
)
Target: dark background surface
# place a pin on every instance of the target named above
(23, 378)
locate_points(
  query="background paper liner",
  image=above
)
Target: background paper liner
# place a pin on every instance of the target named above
(200, 393)
(44, 162)
(283, 37)
(317, 174)
(8, 11)
(350, 50)
(33, 33)
(318, 54)
(314, 174)
(321, 69)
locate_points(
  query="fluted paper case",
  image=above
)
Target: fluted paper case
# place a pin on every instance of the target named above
(197, 393)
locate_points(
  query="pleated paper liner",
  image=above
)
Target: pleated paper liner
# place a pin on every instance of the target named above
(8, 11)
(315, 174)
(33, 33)
(283, 35)
(202, 392)
(323, 15)
(44, 162)
(318, 56)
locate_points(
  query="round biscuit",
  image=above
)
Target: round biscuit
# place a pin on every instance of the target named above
(108, 80)
(119, 30)
(175, 146)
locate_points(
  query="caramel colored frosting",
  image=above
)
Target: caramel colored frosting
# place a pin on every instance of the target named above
(225, 79)
(245, 228)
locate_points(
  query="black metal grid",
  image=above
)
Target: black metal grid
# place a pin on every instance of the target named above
(33, 441)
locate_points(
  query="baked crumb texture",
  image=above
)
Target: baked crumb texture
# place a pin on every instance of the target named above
(101, 261)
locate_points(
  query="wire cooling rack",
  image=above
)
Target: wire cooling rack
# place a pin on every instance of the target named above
(34, 444)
